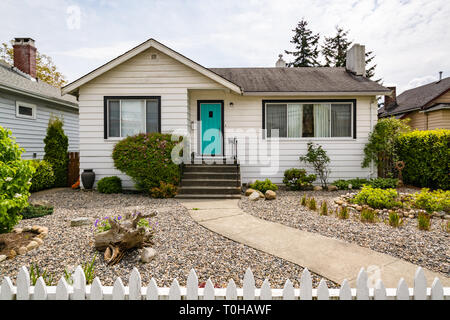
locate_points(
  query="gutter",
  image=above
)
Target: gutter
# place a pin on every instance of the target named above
(314, 93)
(39, 96)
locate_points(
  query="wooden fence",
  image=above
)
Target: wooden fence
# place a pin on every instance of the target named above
(73, 170)
(134, 291)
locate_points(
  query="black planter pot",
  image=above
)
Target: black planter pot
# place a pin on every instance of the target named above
(88, 178)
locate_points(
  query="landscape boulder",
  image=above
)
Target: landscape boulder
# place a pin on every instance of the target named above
(254, 196)
(148, 254)
(332, 188)
(317, 188)
(80, 221)
(270, 195)
(249, 191)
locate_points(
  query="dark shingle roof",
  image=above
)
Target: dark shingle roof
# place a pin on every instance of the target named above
(314, 79)
(417, 98)
(13, 79)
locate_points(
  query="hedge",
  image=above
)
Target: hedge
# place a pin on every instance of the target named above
(147, 159)
(426, 155)
(43, 177)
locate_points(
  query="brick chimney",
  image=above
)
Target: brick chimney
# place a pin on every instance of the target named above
(390, 100)
(25, 55)
(356, 60)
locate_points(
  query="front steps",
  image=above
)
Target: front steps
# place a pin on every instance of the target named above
(210, 181)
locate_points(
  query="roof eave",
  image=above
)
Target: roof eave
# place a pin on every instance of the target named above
(315, 93)
(73, 87)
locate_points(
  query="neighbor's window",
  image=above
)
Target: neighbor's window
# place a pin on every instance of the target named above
(25, 110)
(309, 120)
(127, 117)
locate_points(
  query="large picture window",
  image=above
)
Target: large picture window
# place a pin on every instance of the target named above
(309, 120)
(129, 116)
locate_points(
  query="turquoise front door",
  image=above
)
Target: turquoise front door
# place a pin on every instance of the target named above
(211, 128)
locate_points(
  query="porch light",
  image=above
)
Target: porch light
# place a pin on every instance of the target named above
(231, 104)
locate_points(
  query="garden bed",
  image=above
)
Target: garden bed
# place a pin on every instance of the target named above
(429, 249)
(180, 242)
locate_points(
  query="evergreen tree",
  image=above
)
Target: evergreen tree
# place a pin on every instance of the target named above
(56, 148)
(335, 48)
(370, 71)
(306, 45)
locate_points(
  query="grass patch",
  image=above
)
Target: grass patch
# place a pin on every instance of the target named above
(36, 211)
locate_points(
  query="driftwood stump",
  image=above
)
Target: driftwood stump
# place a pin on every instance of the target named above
(124, 235)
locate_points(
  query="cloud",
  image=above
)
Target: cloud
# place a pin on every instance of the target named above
(99, 53)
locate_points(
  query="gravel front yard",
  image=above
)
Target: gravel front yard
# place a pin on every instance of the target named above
(181, 244)
(429, 249)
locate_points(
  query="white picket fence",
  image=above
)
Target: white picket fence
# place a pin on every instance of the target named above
(80, 291)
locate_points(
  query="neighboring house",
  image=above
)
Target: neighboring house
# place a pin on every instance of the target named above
(26, 103)
(154, 88)
(427, 106)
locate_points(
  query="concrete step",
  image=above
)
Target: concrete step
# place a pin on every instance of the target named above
(210, 168)
(208, 196)
(209, 190)
(212, 175)
(210, 182)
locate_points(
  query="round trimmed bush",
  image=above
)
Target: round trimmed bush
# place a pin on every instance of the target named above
(109, 185)
(15, 176)
(146, 158)
(43, 176)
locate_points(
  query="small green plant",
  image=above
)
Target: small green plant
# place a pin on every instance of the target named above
(377, 198)
(312, 204)
(35, 273)
(343, 213)
(356, 183)
(394, 219)
(110, 185)
(195, 209)
(323, 209)
(165, 190)
(263, 186)
(36, 211)
(368, 215)
(318, 159)
(303, 200)
(88, 270)
(383, 183)
(297, 179)
(423, 221)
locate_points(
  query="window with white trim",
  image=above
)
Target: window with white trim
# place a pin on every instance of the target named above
(309, 120)
(127, 117)
(25, 110)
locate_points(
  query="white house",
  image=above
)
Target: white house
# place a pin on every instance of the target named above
(228, 112)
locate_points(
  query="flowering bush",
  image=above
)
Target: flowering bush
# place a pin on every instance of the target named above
(146, 158)
(15, 176)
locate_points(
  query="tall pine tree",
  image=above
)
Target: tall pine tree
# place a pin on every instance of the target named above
(306, 45)
(335, 48)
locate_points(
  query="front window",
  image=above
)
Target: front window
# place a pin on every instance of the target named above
(309, 120)
(127, 117)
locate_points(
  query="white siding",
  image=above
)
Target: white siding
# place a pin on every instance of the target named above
(346, 154)
(30, 133)
(139, 76)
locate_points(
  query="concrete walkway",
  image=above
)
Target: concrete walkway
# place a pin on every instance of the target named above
(331, 258)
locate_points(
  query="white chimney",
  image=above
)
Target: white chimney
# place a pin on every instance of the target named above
(280, 63)
(356, 60)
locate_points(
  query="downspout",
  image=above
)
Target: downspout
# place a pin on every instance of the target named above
(371, 129)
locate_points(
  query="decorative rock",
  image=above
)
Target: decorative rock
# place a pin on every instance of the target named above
(81, 221)
(447, 217)
(22, 250)
(40, 203)
(317, 188)
(38, 240)
(254, 196)
(332, 188)
(270, 195)
(350, 186)
(148, 254)
(3, 258)
(411, 216)
(32, 245)
(339, 202)
(43, 230)
(249, 191)
(35, 228)
(17, 230)
(26, 229)
(359, 208)
(12, 254)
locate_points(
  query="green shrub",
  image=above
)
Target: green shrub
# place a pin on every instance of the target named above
(15, 176)
(377, 198)
(263, 186)
(427, 157)
(110, 185)
(368, 215)
(319, 160)
(303, 201)
(343, 213)
(312, 205)
(297, 179)
(423, 221)
(43, 176)
(165, 190)
(394, 219)
(430, 201)
(36, 273)
(383, 183)
(356, 183)
(323, 211)
(36, 211)
(146, 158)
(56, 148)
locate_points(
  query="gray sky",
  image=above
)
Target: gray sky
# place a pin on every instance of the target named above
(411, 39)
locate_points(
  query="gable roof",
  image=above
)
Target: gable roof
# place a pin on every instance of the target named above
(151, 43)
(14, 80)
(417, 98)
(306, 80)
